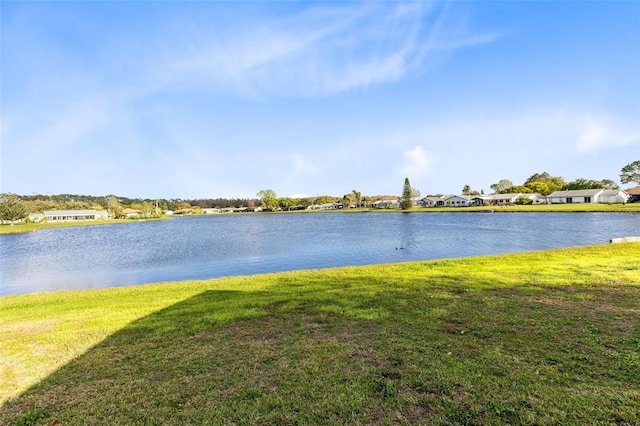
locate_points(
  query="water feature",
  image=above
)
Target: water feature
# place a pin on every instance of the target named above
(239, 244)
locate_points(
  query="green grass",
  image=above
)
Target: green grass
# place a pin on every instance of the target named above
(549, 337)
(32, 227)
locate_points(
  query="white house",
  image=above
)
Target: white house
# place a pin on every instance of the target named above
(613, 196)
(588, 196)
(536, 198)
(209, 211)
(386, 204)
(456, 201)
(74, 215)
(504, 198)
(574, 196)
(431, 201)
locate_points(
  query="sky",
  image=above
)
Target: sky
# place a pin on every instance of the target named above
(206, 99)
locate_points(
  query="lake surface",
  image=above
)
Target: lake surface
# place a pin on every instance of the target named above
(237, 244)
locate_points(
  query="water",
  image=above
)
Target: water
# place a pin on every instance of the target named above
(223, 245)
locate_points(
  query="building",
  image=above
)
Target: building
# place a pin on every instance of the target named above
(634, 194)
(588, 196)
(386, 204)
(69, 215)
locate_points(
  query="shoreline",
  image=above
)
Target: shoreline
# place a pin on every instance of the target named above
(6, 229)
(623, 241)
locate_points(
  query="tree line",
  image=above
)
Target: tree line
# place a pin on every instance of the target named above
(544, 183)
(15, 207)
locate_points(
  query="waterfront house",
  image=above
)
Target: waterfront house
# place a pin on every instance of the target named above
(74, 215)
(613, 196)
(456, 201)
(386, 204)
(588, 196)
(574, 196)
(430, 201)
(510, 198)
(129, 213)
(634, 194)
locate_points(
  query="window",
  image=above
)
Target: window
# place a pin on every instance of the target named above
(569, 200)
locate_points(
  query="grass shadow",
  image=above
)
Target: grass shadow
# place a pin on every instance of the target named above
(396, 344)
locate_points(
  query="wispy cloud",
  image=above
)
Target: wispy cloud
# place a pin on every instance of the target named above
(322, 50)
(599, 133)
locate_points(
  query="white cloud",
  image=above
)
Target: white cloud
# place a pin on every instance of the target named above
(418, 162)
(597, 134)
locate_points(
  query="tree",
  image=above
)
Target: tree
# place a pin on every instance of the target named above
(114, 207)
(555, 183)
(502, 185)
(12, 208)
(357, 198)
(582, 183)
(466, 190)
(539, 187)
(609, 184)
(406, 202)
(631, 173)
(348, 200)
(268, 198)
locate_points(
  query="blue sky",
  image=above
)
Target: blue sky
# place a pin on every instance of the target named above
(222, 99)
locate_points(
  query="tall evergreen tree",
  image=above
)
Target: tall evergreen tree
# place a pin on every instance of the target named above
(406, 203)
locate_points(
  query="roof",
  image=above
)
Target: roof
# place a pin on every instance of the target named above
(611, 192)
(633, 191)
(576, 193)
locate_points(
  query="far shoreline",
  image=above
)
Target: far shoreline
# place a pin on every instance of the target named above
(19, 228)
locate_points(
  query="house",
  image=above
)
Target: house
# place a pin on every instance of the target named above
(634, 194)
(456, 201)
(209, 211)
(613, 196)
(510, 198)
(386, 204)
(430, 201)
(129, 213)
(480, 200)
(536, 198)
(588, 196)
(74, 215)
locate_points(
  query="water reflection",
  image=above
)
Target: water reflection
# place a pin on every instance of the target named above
(215, 246)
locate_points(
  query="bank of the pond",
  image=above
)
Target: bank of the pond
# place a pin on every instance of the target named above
(538, 338)
(32, 227)
(542, 208)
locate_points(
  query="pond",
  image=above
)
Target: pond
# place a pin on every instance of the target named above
(240, 244)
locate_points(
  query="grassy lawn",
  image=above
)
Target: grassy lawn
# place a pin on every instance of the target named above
(32, 227)
(549, 337)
